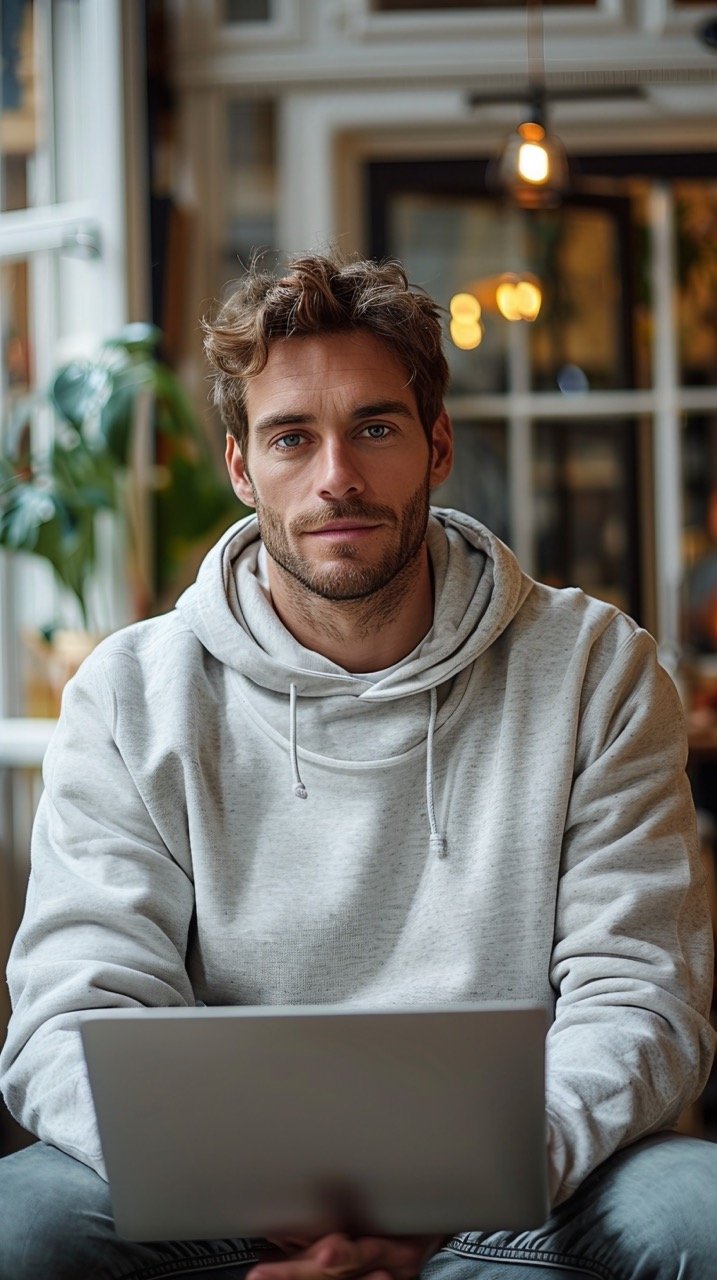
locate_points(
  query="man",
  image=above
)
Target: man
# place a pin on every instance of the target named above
(368, 760)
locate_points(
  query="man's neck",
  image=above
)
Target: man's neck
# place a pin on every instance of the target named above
(360, 635)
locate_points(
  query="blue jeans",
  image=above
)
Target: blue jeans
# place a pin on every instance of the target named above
(649, 1213)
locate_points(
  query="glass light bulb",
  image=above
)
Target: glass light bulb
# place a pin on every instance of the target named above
(533, 162)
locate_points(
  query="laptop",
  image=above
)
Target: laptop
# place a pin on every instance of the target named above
(239, 1121)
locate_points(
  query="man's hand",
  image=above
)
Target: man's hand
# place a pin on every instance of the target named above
(338, 1257)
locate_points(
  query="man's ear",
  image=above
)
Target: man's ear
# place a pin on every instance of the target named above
(441, 449)
(238, 474)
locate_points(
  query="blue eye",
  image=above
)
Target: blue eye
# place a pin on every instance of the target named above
(378, 431)
(289, 441)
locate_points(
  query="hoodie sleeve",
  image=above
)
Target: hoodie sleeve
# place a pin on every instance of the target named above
(631, 1044)
(105, 924)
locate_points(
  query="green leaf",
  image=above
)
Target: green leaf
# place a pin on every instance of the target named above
(116, 421)
(29, 509)
(49, 503)
(80, 390)
(136, 337)
(84, 477)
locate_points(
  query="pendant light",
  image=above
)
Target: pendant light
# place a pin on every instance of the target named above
(533, 167)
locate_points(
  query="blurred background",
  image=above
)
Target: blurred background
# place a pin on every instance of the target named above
(547, 171)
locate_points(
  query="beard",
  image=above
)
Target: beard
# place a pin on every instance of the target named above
(349, 580)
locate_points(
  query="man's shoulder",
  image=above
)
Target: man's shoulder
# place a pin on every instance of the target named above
(572, 611)
(142, 638)
(154, 649)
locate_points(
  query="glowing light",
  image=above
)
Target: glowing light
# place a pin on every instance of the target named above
(518, 298)
(533, 162)
(507, 301)
(529, 299)
(532, 166)
(466, 328)
(467, 335)
(531, 131)
(464, 306)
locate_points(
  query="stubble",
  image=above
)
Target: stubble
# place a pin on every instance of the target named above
(373, 593)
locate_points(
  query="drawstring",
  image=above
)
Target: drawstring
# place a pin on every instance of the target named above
(299, 789)
(437, 843)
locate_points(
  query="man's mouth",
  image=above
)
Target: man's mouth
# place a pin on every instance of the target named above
(340, 530)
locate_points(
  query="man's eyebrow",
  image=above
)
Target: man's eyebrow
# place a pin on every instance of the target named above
(372, 410)
(378, 407)
(271, 420)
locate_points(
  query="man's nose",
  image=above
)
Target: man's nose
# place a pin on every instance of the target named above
(339, 475)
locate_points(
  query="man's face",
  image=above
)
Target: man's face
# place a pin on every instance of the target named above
(338, 465)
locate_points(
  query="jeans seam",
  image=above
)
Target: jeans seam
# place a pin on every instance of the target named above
(175, 1266)
(546, 1257)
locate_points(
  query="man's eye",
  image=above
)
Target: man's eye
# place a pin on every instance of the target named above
(378, 431)
(289, 441)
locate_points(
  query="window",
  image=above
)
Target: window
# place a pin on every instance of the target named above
(250, 185)
(570, 428)
(62, 250)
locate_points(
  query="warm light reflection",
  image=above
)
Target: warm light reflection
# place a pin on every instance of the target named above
(466, 335)
(466, 328)
(529, 299)
(464, 306)
(518, 298)
(507, 301)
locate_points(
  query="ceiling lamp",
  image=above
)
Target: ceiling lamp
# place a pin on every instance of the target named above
(533, 166)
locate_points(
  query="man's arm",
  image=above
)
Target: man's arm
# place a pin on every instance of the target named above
(631, 1043)
(105, 924)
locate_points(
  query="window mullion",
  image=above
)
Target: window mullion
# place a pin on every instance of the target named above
(668, 470)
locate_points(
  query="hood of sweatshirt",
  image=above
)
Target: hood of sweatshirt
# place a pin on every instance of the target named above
(478, 589)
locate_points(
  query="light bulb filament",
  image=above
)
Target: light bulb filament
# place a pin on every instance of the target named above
(533, 162)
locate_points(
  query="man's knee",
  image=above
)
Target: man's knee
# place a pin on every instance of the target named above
(646, 1214)
(55, 1211)
(657, 1199)
(673, 1172)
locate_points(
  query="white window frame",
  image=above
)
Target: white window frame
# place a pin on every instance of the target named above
(82, 158)
(83, 161)
(200, 25)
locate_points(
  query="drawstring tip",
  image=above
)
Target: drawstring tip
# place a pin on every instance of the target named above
(300, 791)
(439, 845)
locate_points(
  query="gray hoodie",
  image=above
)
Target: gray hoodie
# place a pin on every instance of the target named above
(231, 818)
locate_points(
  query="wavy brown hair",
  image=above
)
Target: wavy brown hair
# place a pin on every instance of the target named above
(317, 295)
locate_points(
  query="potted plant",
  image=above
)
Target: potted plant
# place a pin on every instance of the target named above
(125, 440)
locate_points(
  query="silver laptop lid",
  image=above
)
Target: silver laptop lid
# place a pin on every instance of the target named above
(262, 1121)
